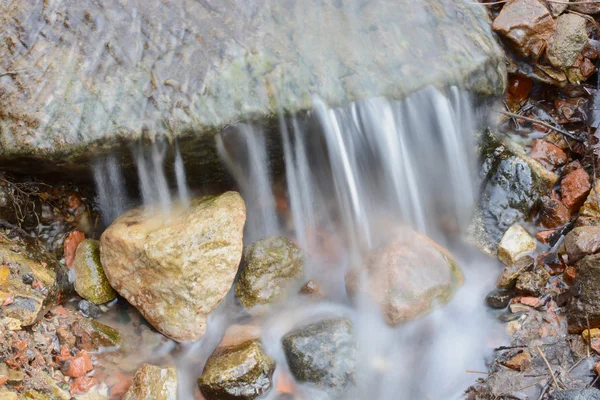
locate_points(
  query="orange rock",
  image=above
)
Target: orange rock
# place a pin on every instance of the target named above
(553, 213)
(20, 345)
(544, 236)
(520, 362)
(70, 246)
(285, 384)
(121, 385)
(82, 385)
(548, 154)
(570, 275)
(575, 188)
(517, 91)
(3, 380)
(237, 334)
(529, 301)
(78, 365)
(74, 200)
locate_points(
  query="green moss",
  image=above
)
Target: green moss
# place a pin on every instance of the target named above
(90, 281)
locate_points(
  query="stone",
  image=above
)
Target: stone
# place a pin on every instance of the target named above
(241, 371)
(76, 366)
(509, 275)
(586, 305)
(570, 275)
(589, 7)
(322, 354)
(568, 40)
(589, 213)
(520, 362)
(269, 267)
(499, 298)
(406, 276)
(233, 60)
(30, 302)
(582, 241)
(553, 213)
(90, 281)
(526, 25)
(532, 283)
(546, 236)
(517, 92)
(89, 309)
(176, 269)
(576, 394)
(153, 383)
(548, 154)
(94, 336)
(575, 187)
(70, 246)
(515, 244)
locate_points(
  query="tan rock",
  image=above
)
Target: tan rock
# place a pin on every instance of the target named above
(153, 383)
(515, 243)
(176, 269)
(582, 241)
(520, 362)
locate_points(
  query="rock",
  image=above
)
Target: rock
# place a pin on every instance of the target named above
(406, 276)
(93, 335)
(576, 394)
(89, 309)
(210, 78)
(153, 383)
(557, 8)
(515, 243)
(511, 272)
(70, 246)
(499, 298)
(568, 41)
(517, 92)
(548, 154)
(532, 283)
(574, 189)
(269, 267)
(90, 281)
(312, 288)
(513, 183)
(241, 372)
(546, 236)
(589, 213)
(176, 270)
(591, 7)
(526, 25)
(553, 213)
(582, 241)
(76, 366)
(520, 362)
(323, 354)
(29, 302)
(587, 304)
(570, 275)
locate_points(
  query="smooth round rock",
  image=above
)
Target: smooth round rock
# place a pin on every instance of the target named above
(90, 281)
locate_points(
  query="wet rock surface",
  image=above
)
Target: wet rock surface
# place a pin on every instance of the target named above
(176, 271)
(577, 394)
(586, 305)
(515, 243)
(581, 242)
(269, 267)
(241, 371)
(323, 354)
(568, 40)
(153, 383)
(90, 281)
(401, 282)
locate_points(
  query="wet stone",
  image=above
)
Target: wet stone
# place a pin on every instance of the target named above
(323, 354)
(568, 41)
(511, 272)
(576, 394)
(582, 241)
(153, 383)
(89, 309)
(589, 213)
(90, 281)
(548, 154)
(575, 187)
(499, 299)
(553, 213)
(241, 371)
(94, 335)
(532, 283)
(586, 304)
(515, 243)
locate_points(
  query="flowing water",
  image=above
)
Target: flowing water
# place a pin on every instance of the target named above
(352, 176)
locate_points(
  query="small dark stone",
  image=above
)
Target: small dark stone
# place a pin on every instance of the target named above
(576, 394)
(89, 309)
(499, 299)
(28, 278)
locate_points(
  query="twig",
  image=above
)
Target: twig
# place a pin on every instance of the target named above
(508, 348)
(548, 365)
(491, 4)
(537, 121)
(589, 344)
(470, 371)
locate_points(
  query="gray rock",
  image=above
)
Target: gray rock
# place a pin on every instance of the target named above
(582, 241)
(104, 72)
(322, 354)
(568, 40)
(586, 8)
(586, 306)
(499, 299)
(576, 394)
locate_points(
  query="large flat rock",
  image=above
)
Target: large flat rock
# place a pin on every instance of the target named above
(78, 77)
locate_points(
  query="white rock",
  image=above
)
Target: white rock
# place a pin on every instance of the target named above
(515, 243)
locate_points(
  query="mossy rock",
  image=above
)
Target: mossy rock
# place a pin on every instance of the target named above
(94, 335)
(153, 383)
(323, 354)
(238, 372)
(269, 267)
(90, 281)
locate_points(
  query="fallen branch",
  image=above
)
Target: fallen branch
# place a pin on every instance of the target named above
(539, 122)
(470, 371)
(548, 365)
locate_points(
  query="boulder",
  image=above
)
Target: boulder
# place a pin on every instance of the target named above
(106, 72)
(568, 41)
(153, 383)
(322, 354)
(582, 241)
(177, 268)
(90, 281)
(515, 243)
(238, 372)
(31, 280)
(586, 305)
(406, 277)
(269, 267)
(526, 25)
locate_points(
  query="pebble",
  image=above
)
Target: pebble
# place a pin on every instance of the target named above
(89, 309)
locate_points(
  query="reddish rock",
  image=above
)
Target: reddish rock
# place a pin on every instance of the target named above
(544, 236)
(65, 337)
(517, 92)
(597, 368)
(527, 25)
(74, 200)
(82, 385)
(548, 154)
(572, 166)
(312, 288)
(529, 301)
(3, 380)
(575, 188)
(70, 246)
(553, 213)
(520, 362)
(121, 383)
(570, 275)
(78, 365)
